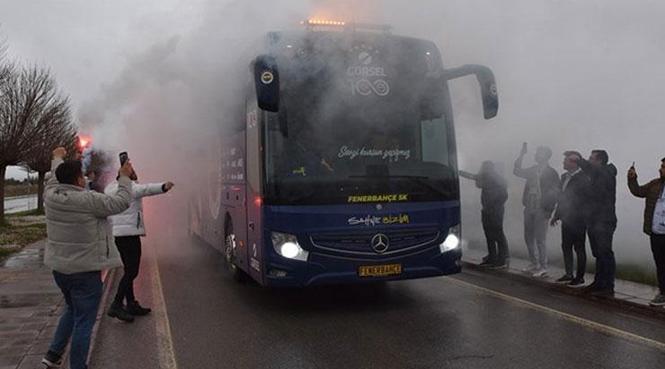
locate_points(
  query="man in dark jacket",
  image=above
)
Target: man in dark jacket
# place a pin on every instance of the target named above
(602, 219)
(493, 197)
(654, 222)
(571, 211)
(539, 199)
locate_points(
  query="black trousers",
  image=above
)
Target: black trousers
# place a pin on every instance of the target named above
(497, 245)
(601, 235)
(573, 238)
(658, 249)
(130, 252)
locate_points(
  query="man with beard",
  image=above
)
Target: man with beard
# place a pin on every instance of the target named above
(654, 221)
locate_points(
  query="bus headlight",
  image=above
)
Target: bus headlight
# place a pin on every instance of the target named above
(452, 241)
(287, 246)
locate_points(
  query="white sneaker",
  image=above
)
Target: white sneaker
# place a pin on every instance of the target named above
(540, 273)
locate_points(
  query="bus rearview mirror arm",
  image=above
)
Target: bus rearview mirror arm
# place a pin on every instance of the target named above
(487, 85)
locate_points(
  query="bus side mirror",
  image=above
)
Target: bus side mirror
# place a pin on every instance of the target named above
(266, 81)
(487, 85)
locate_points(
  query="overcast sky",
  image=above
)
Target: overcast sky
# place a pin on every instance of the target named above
(86, 43)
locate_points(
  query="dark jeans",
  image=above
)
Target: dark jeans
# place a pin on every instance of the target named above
(600, 238)
(82, 292)
(658, 249)
(574, 238)
(130, 252)
(497, 245)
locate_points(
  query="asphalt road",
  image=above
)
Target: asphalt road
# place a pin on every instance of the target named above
(18, 204)
(203, 319)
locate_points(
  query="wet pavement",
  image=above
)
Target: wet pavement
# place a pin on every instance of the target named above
(472, 320)
(30, 305)
(632, 293)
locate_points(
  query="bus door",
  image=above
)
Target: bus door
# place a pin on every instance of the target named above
(253, 200)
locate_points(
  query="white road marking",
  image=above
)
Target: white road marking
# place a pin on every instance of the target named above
(572, 318)
(165, 348)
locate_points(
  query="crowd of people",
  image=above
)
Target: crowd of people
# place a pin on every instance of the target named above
(81, 224)
(583, 201)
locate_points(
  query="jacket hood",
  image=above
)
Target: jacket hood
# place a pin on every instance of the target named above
(612, 169)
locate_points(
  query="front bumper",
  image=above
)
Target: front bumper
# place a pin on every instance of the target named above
(324, 269)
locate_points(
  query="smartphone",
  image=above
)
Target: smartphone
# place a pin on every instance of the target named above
(123, 158)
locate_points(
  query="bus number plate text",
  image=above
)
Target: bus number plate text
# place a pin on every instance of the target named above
(379, 270)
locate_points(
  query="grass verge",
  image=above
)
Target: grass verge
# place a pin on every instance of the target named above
(19, 231)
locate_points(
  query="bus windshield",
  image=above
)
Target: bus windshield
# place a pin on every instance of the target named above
(358, 126)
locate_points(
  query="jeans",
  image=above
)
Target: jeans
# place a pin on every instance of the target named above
(82, 292)
(600, 238)
(497, 245)
(535, 235)
(574, 237)
(130, 252)
(658, 249)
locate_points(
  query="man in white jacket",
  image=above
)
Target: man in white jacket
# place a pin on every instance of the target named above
(78, 247)
(128, 228)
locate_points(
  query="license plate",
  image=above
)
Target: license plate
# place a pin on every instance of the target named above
(379, 270)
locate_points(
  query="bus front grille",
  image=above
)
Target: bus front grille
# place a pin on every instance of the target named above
(359, 243)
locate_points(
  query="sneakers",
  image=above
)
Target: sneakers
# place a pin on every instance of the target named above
(576, 283)
(540, 273)
(52, 360)
(659, 300)
(118, 311)
(137, 310)
(566, 279)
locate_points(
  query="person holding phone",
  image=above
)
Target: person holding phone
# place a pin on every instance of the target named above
(78, 248)
(653, 194)
(128, 228)
(541, 192)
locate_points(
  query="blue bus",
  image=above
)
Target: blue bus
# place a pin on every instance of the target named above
(340, 165)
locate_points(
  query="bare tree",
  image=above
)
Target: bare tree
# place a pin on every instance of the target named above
(6, 68)
(27, 100)
(58, 131)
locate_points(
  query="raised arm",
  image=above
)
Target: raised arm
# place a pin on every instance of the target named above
(518, 170)
(148, 189)
(468, 175)
(103, 205)
(58, 158)
(634, 187)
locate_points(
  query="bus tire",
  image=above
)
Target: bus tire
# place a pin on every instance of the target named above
(230, 255)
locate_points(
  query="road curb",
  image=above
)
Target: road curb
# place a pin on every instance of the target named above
(108, 278)
(657, 312)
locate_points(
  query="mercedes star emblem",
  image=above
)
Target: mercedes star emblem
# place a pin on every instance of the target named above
(380, 243)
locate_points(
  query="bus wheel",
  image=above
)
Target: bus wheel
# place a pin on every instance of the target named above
(230, 256)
